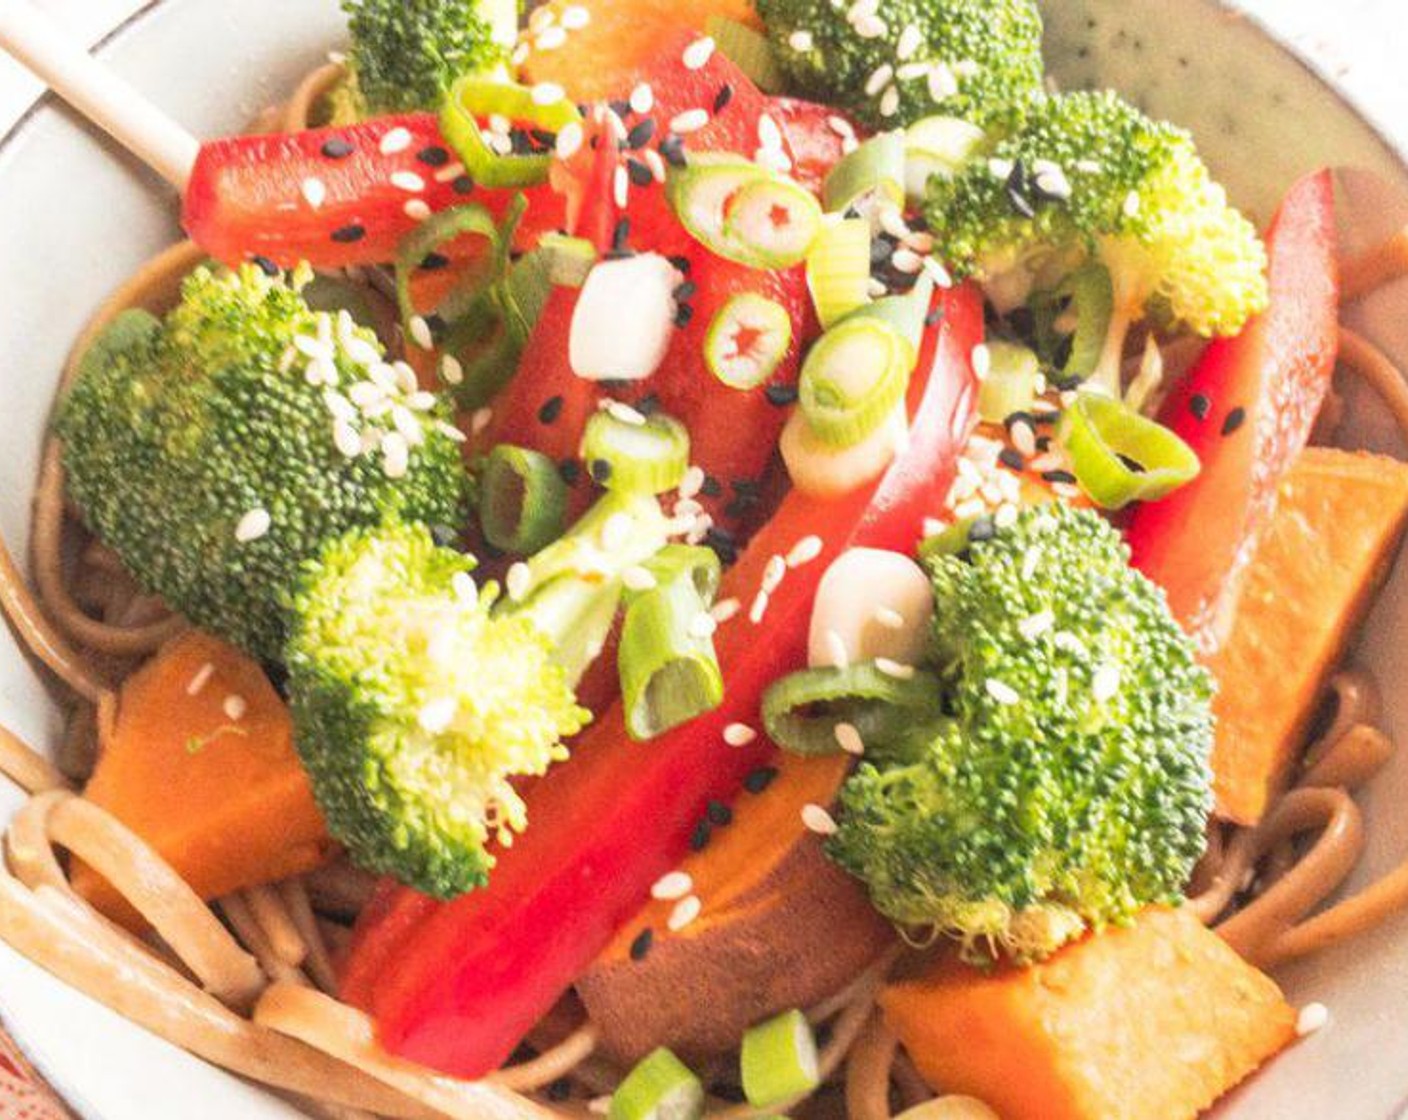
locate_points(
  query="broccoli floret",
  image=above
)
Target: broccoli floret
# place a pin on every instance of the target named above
(1067, 784)
(406, 54)
(418, 698)
(1090, 177)
(218, 451)
(895, 63)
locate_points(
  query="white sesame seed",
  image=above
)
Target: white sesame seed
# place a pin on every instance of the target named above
(698, 53)
(890, 103)
(1069, 643)
(691, 120)
(937, 272)
(548, 93)
(621, 188)
(889, 618)
(759, 608)
(315, 192)
(1312, 1017)
(407, 425)
(347, 439)
(417, 209)
(943, 84)
(465, 589)
(703, 625)
(656, 163)
(879, 79)
(774, 573)
(685, 911)
(1006, 515)
(818, 820)
(253, 525)
(801, 41)
(623, 412)
(569, 140)
(1105, 683)
(1053, 182)
(774, 159)
(642, 99)
(517, 581)
(895, 669)
(200, 679)
(436, 716)
(673, 886)
(451, 370)
(450, 172)
(541, 19)
(407, 181)
(616, 532)
(911, 39)
(769, 134)
(420, 332)
(836, 649)
(692, 483)
(235, 706)
(311, 347)
(1131, 204)
(849, 740)
(725, 609)
(907, 261)
(862, 9)
(520, 54)
(636, 578)
(893, 223)
(982, 361)
(849, 144)
(932, 527)
(576, 17)
(739, 735)
(551, 38)
(600, 1106)
(1088, 166)
(450, 432)
(1023, 438)
(1000, 168)
(912, 71)
(804, 551)
(919, 241)
(872, 27)
(1002, 693)
(397, 140)
(876, 288)
(1034, 626)
(481, 419)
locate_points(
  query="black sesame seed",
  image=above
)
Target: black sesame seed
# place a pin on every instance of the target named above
(682, 265)
(346, 235)
(436, 323)
(684, 313)
(1016, 186)
(615, 384)
(543, 138)
(712, 487)
(723, 97)
(434, 156)
(982, 529)
(1043, 443)
(686, 291)
(639, 174)
(640, 947)
(433, 262)
(721, 541)
(462, 184)
(648, 405)
(570, 471)
(265, 265)
(737, 508)
(621, 236)
(338, 148)
(935, 317)
(551, 410)
(641, 135)
(1132, 465)
(700, 839)
(1012, 419)
(672, 149)
(747, 487)
(882, 249)
(781, 395)
(600, 470)
(1058, 476)
(720, 815)
(1011, 457)
(759, 779)
(1200, 405)
(560, 1090)
(621, 108)
(1235, 419)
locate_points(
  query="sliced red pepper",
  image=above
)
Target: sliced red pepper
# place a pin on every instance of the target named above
(815, 144)
(336, 196)
(456, 985)
(1247, 409)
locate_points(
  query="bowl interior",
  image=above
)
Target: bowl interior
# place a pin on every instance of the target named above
(82, 215)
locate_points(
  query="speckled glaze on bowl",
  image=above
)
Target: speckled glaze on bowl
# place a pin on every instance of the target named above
(80, 215)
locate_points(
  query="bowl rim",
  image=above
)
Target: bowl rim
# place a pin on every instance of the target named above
(1393, 147)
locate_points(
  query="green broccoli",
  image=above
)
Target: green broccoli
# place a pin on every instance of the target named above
(418, 698)
(406, 54)
(1090, 178)
(1067, 783)
(218, 451)
(892, 65)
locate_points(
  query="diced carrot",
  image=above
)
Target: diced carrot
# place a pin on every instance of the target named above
(201, 765)
(621, 38)
(1339, 518)
(1151, 1022)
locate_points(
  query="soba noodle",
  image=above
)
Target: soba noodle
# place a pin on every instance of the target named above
(195, 978)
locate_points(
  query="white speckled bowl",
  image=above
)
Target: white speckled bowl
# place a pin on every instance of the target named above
(79, 215)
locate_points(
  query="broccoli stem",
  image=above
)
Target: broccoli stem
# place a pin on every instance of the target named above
(1108, 376)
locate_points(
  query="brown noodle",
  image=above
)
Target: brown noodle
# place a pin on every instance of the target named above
(195, 978)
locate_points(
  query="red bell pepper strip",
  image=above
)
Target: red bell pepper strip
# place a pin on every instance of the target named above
(337, 196)
(456, 985)
(1247, 409)
(816, 144)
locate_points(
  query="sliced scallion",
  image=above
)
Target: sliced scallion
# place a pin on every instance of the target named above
(1073, 320)
(1119, 456)
(822, 471)
(873, 173)
(779, 1060)
(838, 269)
(744, 212)
(661, 1087)
(635, 454)
(937, 146)
(669, 671)
(905, 313)
(853, 378)
(699, 565)
(490, 160)
(438, 230)
(802, 711)
(522, 500)
(747, 340)
(748, 50)
(569, 259)
(1010, 384)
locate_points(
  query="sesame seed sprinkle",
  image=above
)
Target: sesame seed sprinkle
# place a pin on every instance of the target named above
(804, 551)
(420, 332)
(451, 370)
(1034, 626)
(315, 192)
(739, 735)
(703, 625)
(437, 715)
(1131, 204)
(889, 618)
(911, 39)
(481, 419)
(879, 79)
(672, 886)
(725, 610)
(871, 27)
(836, 649)
(685, 911)
(1312, 1017)
(849, 740)
(417, 209)
(698, 53)
(637, 578)
(759, 608)
(235, 706)
(621, 187)
(200, 679)
(691, 120)
(818, 820)
(548, 93)
(623, 412)
(774, 573)
(569, 140)
(517, 581)
(890, 102)
(1001, 692)
(982, 361)
(397, 140)
(576, 17)
(894, 669)
(642, 99)
(395, 455)
(407, 181)
(801, 41)
(1105, 684)
(253, 525)
(347, 439)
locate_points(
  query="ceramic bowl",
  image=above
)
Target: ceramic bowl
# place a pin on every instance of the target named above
(79, 215)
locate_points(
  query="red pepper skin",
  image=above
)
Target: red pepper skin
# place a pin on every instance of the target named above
(1247, 409)
(248, 196)
(455, 986)
(816, 146)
